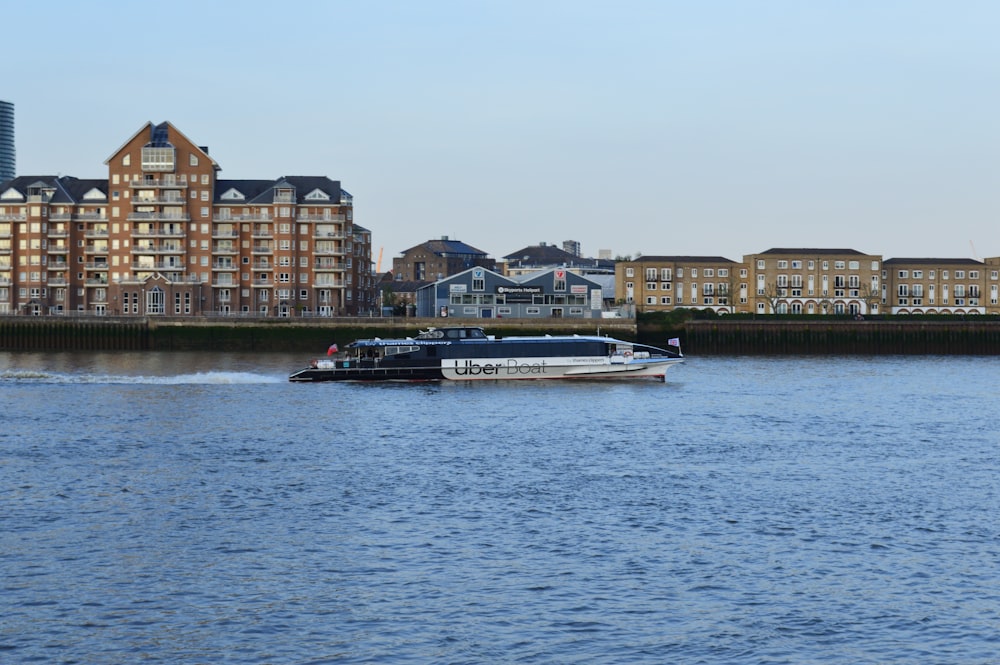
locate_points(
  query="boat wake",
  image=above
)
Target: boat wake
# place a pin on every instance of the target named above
(198, 378)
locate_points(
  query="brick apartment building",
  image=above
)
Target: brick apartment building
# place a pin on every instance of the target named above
(163, 235)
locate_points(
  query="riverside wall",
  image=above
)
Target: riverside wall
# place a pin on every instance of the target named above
(889, 336)
(23, 333)
(717, 336)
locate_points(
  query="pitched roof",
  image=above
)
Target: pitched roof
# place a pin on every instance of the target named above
(811, 250)
(929, 261)
(447, 247)
(540, 256)
(67, 189)
(685, 259)
(260, 192)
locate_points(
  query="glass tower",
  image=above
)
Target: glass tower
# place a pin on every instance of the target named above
(7, 162)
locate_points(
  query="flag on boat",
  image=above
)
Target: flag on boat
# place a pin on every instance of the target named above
(674, 341)
(332, 350)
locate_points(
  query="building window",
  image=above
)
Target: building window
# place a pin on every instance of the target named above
(158, 159)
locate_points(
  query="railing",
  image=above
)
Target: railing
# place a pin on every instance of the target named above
(93, 265)
(225, 234)
(159, 200)
(157, 217)
(262, 249)
(224, 266)
(95, 233)
(158, 249)
(329, 252)
(159, 233)
(333, 219)
(14, 218)
(139, 183)
(225, 250)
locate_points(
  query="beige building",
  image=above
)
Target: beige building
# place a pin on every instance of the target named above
(815, 281)
(940, 286)
(665, 283)
(777, 281)
(163, 235)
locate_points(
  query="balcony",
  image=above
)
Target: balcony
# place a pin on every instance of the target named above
(158, 217)
(225, 249)
(332, 219)
(219, 235)
(165, 248)
(89, 217)
(262, 265)
(165, 182)
(263, 249)
(14, 217)
(167, 200)
(168, 232)
(158, 265)
(249, 217)
(58, 249)
(329, 265)
(58, 265)
(227, 265)
(320, 250)
(327, 283)
(96, 249)
(57, 281)
(329, 236)
(222, 281)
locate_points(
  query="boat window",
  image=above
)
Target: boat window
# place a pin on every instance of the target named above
(393, 350)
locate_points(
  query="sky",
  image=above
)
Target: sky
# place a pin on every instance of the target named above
(712, 128)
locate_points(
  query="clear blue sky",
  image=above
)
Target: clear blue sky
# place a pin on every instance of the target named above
(660, 127)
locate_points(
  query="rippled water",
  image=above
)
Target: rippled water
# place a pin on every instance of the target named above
(192, 508)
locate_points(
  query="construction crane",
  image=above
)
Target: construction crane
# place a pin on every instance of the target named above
(378, 265)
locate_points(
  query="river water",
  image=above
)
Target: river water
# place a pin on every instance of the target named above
(198, 508)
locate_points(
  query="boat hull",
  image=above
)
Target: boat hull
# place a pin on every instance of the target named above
(471, 369)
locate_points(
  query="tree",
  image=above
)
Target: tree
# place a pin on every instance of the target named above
(773, 295)
(728, 292)
(871, 295)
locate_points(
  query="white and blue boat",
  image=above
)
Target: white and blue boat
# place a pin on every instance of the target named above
(469, 354)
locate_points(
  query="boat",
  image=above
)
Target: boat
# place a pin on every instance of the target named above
(462, 353)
